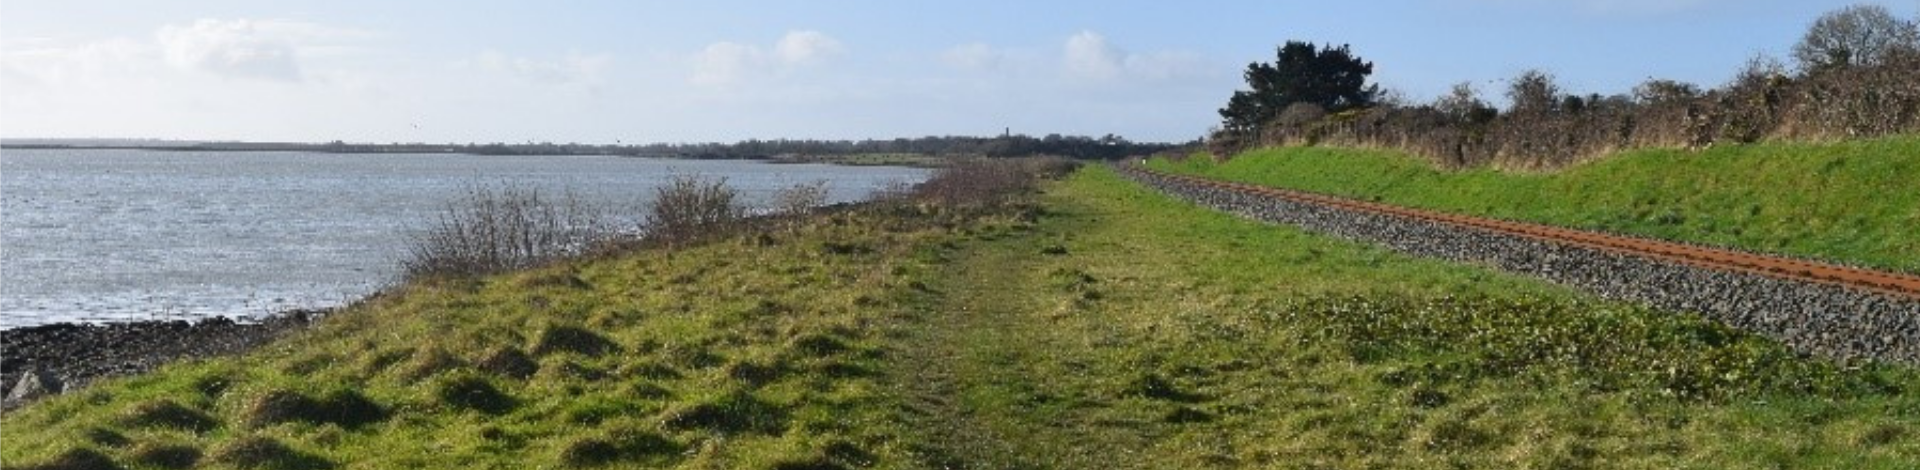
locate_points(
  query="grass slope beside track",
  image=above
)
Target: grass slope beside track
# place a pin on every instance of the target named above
(1094, 325)
(1854, 202)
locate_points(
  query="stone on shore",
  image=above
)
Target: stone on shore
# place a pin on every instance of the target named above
(35, 383)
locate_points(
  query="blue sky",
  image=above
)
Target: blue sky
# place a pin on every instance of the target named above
(655, 71)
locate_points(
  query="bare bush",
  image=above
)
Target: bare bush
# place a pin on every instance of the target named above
(494, 230)
(689, 207)
(798, 199)
(1534, 91)
(989, 182)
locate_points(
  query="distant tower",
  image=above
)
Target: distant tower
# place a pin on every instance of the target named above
(1007, 133)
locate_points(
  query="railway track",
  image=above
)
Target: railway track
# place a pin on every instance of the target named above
(1878, 282)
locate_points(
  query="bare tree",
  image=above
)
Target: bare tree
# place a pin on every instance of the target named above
(1661, 92)
(1463, 102)
(1855, 36)
(1534, 91)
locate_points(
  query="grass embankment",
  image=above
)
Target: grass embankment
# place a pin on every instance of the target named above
(1098, 325)
(758, 351)
(1855, 202)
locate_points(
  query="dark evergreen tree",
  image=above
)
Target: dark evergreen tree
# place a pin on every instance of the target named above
(1331, 78)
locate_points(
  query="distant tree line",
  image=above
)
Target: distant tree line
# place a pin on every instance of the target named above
(1107, 147)
(1857, 75)
(1013, 145)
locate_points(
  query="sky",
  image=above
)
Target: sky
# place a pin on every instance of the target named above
(722, 70)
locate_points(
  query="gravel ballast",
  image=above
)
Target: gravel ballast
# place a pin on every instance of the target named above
(1817, 319)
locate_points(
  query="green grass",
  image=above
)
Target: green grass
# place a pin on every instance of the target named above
(1856, 202)
(1126, 329)
(754, 352)
(1096, 325)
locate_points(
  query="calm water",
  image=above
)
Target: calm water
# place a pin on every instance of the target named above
(109, 235)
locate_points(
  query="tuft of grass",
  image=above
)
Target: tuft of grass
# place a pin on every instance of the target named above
(346, 408)
(572, 339)
(428, 362)
(172, 456)
(509, 362)
(734, 411)
(1852, 202)
(624, 446)
(474, 392)
(77, 459)
(166, 413)
(260, 452)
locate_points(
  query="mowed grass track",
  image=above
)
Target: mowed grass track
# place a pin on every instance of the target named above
(1855, 202)
(1093, 325)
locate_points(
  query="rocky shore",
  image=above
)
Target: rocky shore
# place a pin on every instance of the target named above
(49, 359)
(1814, 319)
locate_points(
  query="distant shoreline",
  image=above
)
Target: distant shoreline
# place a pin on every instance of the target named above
(926, 151)
(906, 160)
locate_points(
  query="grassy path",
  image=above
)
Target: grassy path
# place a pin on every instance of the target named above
(1123, 329)
(984, 371)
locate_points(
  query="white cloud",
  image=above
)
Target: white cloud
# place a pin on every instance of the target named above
(37, 62)
(728, 63)
(974, 56)
(575, 69)
(1166, 65)
(803, 47)
(1088, 55)
(725, 63)
(263, 49)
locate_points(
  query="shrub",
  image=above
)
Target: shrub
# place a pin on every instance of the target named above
(495, 230)
(690, 207)
(798, 199)
(989, 182)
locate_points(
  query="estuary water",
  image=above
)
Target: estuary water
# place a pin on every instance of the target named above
(120, 235)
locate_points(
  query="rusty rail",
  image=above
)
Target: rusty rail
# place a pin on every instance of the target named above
(1886, 283)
